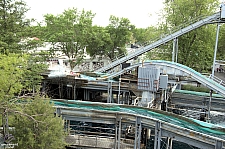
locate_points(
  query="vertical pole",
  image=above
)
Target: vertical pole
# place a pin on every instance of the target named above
(116, 134)
(166, 100)
(148, 135)
(215, 50)
(108, 92)
(139, 132)
(68, 126)
(169, 143)
(109, 98)
(119, 90)
(84, 94)
(60, 89)
(176, 49)
(137, 141)
(136, 132)
(74, 91)
(174, 46)
(119, 135)
(157, 141)
(209, 108)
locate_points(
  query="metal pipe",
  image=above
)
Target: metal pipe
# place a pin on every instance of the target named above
(173, 53)
(119, 135)
(215, 50)
(119, 90)
(209, 108)
(176, 49)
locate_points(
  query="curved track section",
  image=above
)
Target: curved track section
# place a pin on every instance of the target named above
(176, 66)
(191, 131)
(147, 48)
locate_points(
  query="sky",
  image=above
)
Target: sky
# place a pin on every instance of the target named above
(141, 13)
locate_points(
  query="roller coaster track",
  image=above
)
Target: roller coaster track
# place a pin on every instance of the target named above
(208, 20)
(190, 131)
(177, 68)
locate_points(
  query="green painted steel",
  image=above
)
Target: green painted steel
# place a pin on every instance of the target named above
(196, 125)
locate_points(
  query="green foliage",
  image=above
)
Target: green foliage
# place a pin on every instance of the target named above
(120, 34)
(34, 68)
(221, 44)
(13, 25)
(145, 35)
(195, 47)
(69, 33)
(99, 42)
(36, 127)
(12, 72)
(195, 88)
(19, 72)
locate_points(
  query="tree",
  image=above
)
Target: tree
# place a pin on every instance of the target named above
(12, 69)
(36, 127)
(19, 69)
(13, 25)
(68, 33)
(99, 42)
(120, 34)
(221, 44)
(195, 47)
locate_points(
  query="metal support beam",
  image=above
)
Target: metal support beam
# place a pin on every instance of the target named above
(60, 89)
(157, 141)
(175, 49)
(215, 50)
(74, 91)
(118, 132)
(209, 107)
(219, 145)
(169, 143)
(109, 99)
(137, 141)
(119, 90)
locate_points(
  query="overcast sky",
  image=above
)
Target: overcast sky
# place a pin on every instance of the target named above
(141, 13)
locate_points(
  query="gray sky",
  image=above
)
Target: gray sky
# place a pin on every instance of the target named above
(141, 13)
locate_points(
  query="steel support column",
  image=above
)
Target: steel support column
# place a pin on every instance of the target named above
(119, 90)
(219, 145)
(74, 91)
(118, 132)
(175, 50)
(109, 99)
(176, 55)
(209, 107)
(157, 141)
(137, 141)
(215, 50)
(60, 89)
(169, 143)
